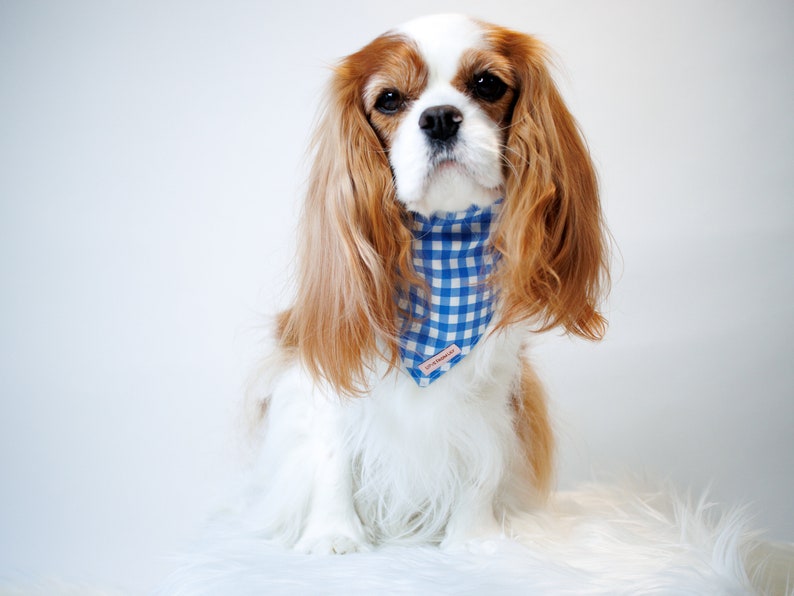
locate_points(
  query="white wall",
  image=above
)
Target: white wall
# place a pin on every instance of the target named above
(150, 165)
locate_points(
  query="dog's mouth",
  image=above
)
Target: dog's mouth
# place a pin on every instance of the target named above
(452, 177)
(447, 165)
(451, 167)
(446, 161)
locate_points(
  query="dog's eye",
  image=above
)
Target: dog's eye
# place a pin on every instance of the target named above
(488, 86)
(389, 102)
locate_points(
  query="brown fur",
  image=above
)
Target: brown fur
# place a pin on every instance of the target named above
(535, 430)
(355, 249)
(477, 61)
(551, 235)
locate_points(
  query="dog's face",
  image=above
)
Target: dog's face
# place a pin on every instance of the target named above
(440, 98)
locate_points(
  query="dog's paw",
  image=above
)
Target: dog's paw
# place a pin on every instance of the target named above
(471, 534)
(330, 544)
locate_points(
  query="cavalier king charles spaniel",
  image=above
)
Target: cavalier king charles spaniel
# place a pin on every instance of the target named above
(452, 210)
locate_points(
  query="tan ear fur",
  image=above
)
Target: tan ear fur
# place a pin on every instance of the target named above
(354, 243)
(551, 235)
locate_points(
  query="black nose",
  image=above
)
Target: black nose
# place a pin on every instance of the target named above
(441, 123)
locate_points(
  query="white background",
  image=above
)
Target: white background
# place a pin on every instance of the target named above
(150, 173)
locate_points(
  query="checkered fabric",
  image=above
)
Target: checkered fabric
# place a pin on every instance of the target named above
(451, 252)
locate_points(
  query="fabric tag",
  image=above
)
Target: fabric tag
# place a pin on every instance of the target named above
(439, 359)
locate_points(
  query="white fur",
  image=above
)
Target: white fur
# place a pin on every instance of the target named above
(472, 176)
(442, 39)
(434, 464)
(404, 464)
(476, 176)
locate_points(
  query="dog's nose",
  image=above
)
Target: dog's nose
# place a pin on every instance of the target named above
(441, 123)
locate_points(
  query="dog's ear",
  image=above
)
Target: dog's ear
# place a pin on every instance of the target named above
(354, 243)
(551, 234)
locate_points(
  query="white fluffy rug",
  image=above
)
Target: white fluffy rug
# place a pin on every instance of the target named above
(596, 540)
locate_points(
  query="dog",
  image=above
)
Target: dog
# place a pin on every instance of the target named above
(452, 210)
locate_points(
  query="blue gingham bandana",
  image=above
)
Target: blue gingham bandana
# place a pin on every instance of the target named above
(452, 254)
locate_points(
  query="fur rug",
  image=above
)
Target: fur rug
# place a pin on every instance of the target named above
(596, 540)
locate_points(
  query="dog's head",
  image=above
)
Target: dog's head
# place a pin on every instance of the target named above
(439, 114)
(442, 111)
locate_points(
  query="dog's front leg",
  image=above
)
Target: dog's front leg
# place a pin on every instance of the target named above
(332, 524)
(472, 519)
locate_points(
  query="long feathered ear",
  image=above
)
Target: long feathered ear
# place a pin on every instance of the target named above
(353, 244)
(551, 234)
